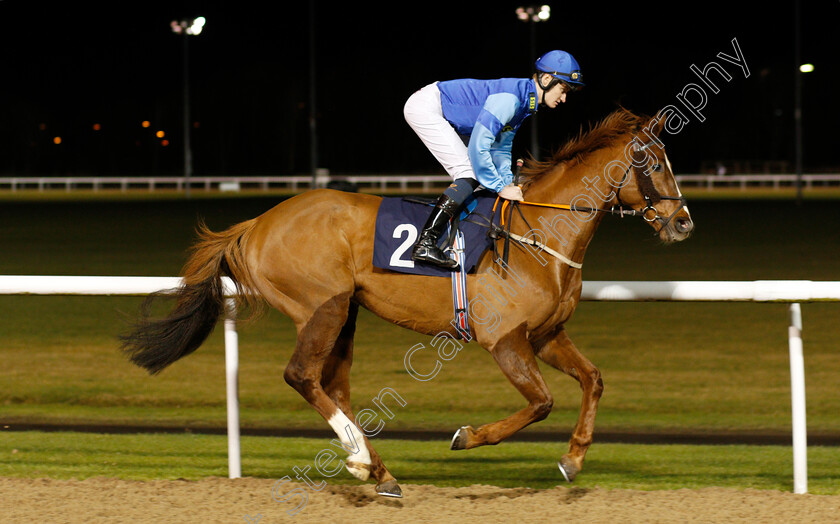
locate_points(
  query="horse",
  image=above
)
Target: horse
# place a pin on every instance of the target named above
(310, 257)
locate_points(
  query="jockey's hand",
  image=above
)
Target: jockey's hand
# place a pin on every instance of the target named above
(511, 192)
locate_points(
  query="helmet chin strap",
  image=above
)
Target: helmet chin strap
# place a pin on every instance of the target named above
(546, 88)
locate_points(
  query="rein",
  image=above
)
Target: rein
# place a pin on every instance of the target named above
(496, 231)
(648, 191)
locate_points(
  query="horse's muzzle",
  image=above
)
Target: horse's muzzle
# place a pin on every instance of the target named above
(678, 229)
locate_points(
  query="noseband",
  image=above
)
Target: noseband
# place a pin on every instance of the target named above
(648, 191)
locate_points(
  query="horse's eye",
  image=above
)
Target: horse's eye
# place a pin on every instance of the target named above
(657, 167)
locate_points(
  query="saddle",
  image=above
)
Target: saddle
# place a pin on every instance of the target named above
(398, 224)
(400, 220)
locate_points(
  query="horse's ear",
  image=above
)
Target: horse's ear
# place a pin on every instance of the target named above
(657, 124)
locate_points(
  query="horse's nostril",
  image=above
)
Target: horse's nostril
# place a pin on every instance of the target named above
(685, 225)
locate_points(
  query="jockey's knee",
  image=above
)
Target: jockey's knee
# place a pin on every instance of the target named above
(460, 189)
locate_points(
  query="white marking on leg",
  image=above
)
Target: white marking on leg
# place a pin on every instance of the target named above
(352, 440)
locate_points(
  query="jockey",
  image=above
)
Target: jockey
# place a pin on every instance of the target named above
(469, 125)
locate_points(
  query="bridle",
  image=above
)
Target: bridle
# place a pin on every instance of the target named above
(648, 191)
(643, 182)
(645, 185)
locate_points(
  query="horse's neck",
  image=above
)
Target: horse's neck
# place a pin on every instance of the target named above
(583, 185)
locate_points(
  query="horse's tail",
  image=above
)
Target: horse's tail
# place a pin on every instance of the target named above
(155, 343)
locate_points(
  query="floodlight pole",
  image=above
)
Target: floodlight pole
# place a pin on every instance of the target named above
(313, 130)
(797, 110)
(531, 15)
(185, 28)
(535, 149)
(188, 168)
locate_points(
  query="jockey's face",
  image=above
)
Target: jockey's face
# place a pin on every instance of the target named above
(556, 95)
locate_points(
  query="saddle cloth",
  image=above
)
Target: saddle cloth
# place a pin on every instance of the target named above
(398, 225)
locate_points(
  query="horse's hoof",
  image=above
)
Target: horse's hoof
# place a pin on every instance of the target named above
(568, 469)
(389, 489)
(358, 470)
(459, 440)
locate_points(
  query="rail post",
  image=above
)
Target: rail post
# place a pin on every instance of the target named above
(232, 382)
(797, 400)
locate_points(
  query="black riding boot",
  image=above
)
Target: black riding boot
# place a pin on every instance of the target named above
(426, 248)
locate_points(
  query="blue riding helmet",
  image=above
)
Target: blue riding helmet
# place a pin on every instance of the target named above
(562, 66)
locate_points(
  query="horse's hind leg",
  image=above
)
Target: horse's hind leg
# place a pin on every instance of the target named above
(559, 352)
(515, 358)
(335, 380)
(315, 343)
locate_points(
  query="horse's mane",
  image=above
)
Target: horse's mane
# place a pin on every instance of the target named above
(603, 134)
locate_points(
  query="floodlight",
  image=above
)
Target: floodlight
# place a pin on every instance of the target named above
(196, 26)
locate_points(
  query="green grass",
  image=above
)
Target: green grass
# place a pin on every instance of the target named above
(687, 378)
(66, 455)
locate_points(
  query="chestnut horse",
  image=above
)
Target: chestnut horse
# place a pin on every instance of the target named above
(311, 258)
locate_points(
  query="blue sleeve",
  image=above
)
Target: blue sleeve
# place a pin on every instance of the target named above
(502, 157)
(481, 143)
(491, 160)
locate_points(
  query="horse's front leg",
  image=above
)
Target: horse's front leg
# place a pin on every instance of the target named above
(515, 357)
(559, 352)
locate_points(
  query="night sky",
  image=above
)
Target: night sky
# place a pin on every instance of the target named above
(116, 64)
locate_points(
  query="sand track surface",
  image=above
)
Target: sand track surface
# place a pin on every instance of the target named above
(220, 500)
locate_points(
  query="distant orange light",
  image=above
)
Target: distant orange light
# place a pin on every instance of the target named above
(57, 140)
(164, 143)
(145, 123)
(160, 134)
(97, 127)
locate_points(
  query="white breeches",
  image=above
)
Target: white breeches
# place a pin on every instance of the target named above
(424, 114)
